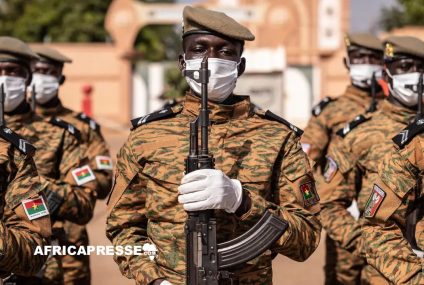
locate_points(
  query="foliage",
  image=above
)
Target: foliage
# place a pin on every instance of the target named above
(407, 12)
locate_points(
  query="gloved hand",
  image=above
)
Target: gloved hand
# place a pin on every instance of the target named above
(210, 189)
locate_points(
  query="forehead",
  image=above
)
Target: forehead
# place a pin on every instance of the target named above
(210, 39)
(12, 64)
(46, 64)
(363, 51)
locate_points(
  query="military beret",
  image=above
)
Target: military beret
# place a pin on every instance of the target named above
(200, 20)
(15, 49)
(403, 45)
(51, 54)
(365, 40)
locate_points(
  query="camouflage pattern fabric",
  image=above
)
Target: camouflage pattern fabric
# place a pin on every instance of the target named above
(385, 244)
(19, 236)
(265, 155)
(77, 268)
(357, 157)
(58, 153)
(320, 132)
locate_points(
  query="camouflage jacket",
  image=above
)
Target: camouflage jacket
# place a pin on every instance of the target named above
(97, 149)
(329, 116)
(392, 199)
(58, 158)
(19, 236)
(265, 155)
(352, 169)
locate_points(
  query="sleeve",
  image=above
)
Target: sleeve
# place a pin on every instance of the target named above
(72, 197)
(316, 137)
(385, 215)
(127, 221)
(295, 201)
(101, 162)
(19, 237)
(337, 193)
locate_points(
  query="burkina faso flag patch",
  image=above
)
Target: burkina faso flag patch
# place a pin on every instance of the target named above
(310, 195)
(35, 208)
(83, 175)
(104, 162)
(374, 201)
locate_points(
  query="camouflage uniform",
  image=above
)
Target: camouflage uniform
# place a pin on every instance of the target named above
(77, 268)
(351, 171)
(328, 116)
(264, 155)
(59, 154)
(19, 236)
(394, 196)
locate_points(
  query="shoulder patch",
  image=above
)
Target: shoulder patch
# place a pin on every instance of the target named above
(273, 117)
(89, 121)
(374, 201)
(158, 115)
(17, 141)
(318, 108)
(351, 125)
(67, 126)
(407, 134)
(309, 193)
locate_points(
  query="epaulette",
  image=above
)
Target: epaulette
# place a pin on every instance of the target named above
(317, 109)
(16, 140)
(351, 125)
(89, 121)
(271, 116)
(407, 134)
(158, 115)
(67, 126)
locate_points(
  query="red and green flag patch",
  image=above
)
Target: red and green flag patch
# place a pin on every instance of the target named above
(310, 196)
(374, 201)
(35, 208)
(104, 162)
(83, 175)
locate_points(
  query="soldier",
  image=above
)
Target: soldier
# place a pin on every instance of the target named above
(365, 142)
(25, 221)
(393, 228)
(60, 159)
(364, 57)
(259, 165)
(48, 76)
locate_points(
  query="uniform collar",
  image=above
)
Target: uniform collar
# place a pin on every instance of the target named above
(397, 113)
(360, 96)
(219, 112)
(16, 120)
(49, 112)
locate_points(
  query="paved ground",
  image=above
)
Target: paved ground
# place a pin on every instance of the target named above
(105, 271)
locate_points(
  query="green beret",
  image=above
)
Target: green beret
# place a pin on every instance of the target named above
(15, 49)
(51, 54)
(403, 45)
(200, 20)
(365, 40)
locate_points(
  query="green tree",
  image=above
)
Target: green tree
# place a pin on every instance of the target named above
(407, 12)
(54, 20)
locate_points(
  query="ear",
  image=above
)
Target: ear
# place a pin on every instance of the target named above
(62, 79)
(345, 63)
(241, 66)
(181, 62)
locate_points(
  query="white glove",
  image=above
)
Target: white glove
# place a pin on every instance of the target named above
(164, 282)
(210, 189)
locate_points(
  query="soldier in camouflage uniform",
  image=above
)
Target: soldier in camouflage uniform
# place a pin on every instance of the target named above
(25, 223)
(364, 56)
(47, 79)
(365, 142)
(260, 151)
(393, 227)
(61, 162)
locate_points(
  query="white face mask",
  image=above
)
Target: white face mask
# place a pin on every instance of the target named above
(361, 74)
(46, 87)
(14, 90)
(404, 87)
(222, 80)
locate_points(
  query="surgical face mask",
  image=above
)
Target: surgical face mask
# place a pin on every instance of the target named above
(14, 90)
(46, 87)
(404, 87)
(222, 80)
(361, 74)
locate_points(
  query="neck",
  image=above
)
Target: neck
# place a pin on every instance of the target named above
(21, 109)
(396, 102)
(229, 101)
(54, 102)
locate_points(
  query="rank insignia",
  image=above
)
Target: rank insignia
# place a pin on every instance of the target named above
(35, 208)
(330, 169)
(374, 201)
(310, 196)
(104, 162)
(83, 175)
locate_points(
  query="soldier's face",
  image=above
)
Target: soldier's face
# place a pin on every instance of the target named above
(200, 45)
(365, 56)
(47, 68)
(9, 68)
(406, 65)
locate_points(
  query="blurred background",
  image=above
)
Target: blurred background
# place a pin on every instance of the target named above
(124, 65)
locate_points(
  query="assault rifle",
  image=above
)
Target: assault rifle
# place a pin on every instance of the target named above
(2, 98)
(373, 105)
(33, 98)
(207, 261)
